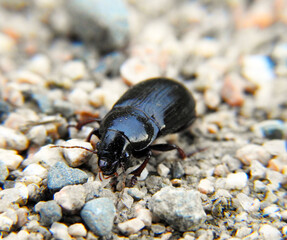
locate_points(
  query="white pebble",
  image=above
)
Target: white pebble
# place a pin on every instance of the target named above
(77, 230)
(236, 180)
(28, 77)
(207, 47)
(248, 204)
(257, 170)
(60, 231)
(48, 156)
(126, 199)
(205, 186)
(37, 135)
(269, 232)
(135, 70)
(18, 194)
(7, 44)
(10, 158)
(97, 97)
(211, 99)
(77, 156)
(74, 70)
(131, 226)
(78, 97)
(5, 223)
(35, 170)
(71, 197)
(144, 215)
(12, 139)
(272, 211)
(275, 147)
(253, 152)
(163, 170)
(40, 64)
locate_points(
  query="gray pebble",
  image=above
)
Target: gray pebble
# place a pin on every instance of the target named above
(3, 172)
(99, 215)
(49, 211)
(180, 208)
(107, 21)
(61, 175)
(178, 170)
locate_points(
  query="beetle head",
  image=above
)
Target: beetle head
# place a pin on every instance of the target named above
(113, 151)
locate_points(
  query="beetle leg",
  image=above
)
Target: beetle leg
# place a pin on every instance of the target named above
(137, 172)
(167, 147)
(94, 132)
(82, 123)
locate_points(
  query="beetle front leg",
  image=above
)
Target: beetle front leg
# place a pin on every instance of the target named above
(94, 132)
(168, 147)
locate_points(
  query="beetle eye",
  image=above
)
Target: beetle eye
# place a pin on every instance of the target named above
(108, 167)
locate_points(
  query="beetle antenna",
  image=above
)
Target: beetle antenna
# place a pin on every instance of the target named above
(89, 150)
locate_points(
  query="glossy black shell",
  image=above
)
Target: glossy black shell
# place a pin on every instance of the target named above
(150, 109)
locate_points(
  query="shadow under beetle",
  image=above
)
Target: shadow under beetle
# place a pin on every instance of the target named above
(148, 110)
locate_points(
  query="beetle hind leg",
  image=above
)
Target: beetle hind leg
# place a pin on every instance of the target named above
(168, 147)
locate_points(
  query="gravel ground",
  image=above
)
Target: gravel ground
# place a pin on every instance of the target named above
(65, 61)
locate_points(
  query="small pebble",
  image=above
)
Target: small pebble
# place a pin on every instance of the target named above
(50, 212)
(136, 193)
(236, 180)
(37, 135)
(158, 228)
(40, 64)
(267, 231)
(232, 91)
(99, 215)
(180, 208)
(162, 170)
(205, 186)
(144, 215)
(46, 156)
(77, 230)
(7, 44)
(131, 226)
(77, 156)
(135, 70)
(10, 158)
(74, 70)
(5, 223)
(243, 232)
(257, 170)
(177, 170)
(259, 186)
(276, 147)
(71, 198)
(61, 175)
(18, 194)
(253, 152)
(108, 18)
(60, 231)
(12, 139)
(211, 99)
(271, 129)
(272, 211)
(4, 172)
(35, 170)
(247, 203)
(126, 199)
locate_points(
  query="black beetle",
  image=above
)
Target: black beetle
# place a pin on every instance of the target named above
(148, 110)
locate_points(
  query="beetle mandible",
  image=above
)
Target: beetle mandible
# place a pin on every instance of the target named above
(148, 110)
